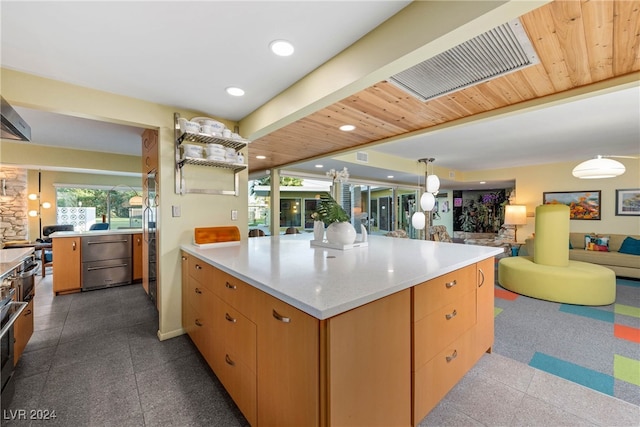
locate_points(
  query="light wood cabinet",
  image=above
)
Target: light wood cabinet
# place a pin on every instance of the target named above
(388, 362)
(136, 254)
(22, 329)
(289, 365)
(452, 327)
(66, 278)
(369, 360)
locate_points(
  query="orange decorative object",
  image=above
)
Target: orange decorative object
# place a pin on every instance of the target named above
(204, 235)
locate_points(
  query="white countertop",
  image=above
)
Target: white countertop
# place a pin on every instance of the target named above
(326, 282)
(12, 258)
(95, 232)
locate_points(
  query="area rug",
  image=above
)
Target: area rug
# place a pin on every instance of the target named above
(598, 347)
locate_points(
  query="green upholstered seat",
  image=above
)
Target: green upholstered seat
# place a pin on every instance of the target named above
(549, 274)
(579, 283)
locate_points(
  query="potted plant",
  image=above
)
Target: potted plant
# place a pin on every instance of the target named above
(339, 229)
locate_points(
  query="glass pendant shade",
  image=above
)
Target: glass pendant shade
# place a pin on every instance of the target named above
(433, 183)
(418, 220)
(427, 201)
(598, 168)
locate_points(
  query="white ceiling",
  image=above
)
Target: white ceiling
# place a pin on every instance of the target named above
(185, 54)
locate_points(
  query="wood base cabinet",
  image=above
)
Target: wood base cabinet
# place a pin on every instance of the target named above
(22, 330)
(67, 274)
(385, 363)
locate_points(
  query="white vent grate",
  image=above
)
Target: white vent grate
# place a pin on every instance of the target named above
(362, 156)
(497, 52)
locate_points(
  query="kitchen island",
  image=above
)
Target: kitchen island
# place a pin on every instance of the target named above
(310, 336)
(96, 259)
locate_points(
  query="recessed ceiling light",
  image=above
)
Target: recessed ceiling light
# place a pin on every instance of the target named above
(281, 47)
(347, 128)
(389, 176)
(261, 157)
(319, 166)
(235, 91)
(483, 182)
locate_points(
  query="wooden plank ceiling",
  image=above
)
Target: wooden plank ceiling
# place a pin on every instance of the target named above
(578, 42)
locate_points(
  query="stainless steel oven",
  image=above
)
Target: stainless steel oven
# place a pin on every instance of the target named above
(24, 279)
(9, 313)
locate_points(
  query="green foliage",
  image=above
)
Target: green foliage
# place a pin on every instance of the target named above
(329, 211)
(285, 181)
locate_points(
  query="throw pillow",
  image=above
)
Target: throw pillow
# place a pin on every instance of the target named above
(596, 243)
(630, 246)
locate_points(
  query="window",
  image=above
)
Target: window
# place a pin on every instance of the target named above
(120, 206)
(290, 213)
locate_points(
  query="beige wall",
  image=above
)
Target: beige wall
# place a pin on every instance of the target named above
(197, 210)
(532, 181)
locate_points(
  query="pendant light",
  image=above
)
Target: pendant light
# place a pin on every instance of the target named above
(427, 201)
(599, 167)
(418, 220)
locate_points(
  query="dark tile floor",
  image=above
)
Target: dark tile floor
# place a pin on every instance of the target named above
(95, 360)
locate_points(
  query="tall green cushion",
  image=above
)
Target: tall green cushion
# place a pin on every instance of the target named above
(552, 231)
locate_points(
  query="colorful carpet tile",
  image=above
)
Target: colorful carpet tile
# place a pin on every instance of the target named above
(597, 347)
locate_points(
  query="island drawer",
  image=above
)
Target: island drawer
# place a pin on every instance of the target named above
(239, 335)
(433, 380)
(241, 383)
(236, 293)
(434, 332)
(442, 291)
(200, 271)
(201, 300)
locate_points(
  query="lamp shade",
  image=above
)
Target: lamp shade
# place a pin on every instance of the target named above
(427, 201)
(433, 183)
(418, 220)
(515, 214)
(598, 168)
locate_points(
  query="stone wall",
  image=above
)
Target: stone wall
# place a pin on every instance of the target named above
(14, 224)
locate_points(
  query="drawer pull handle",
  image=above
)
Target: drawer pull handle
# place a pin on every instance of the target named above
(453, 356)
(73, 246)
(28, 312)
(281, 318)
(198, 291)
(198, 267)
(451, 284)
(184, 258)
(229, 318)
(107, 241)
(198, 322)
(453, 314)
(106, 266)
(230, 286)
(228, 360)
(482, 276)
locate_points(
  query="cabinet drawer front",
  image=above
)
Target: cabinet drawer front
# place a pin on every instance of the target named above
(239, 336)
(437, 330)
(201, 300)
(236, 293)
(200, 270)
(442, 291)
(98, 248)
(241, 383)
(434, 380)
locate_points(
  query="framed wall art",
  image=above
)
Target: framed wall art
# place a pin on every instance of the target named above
(628, 202)
(582, 204)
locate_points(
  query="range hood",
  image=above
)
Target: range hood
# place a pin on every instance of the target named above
(13, 126)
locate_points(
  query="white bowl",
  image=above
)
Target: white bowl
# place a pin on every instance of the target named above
(207, 129)
(216, 158)
(206, 121)
(191, 127)
(191, 150)
(231, 158)
(212, 151)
